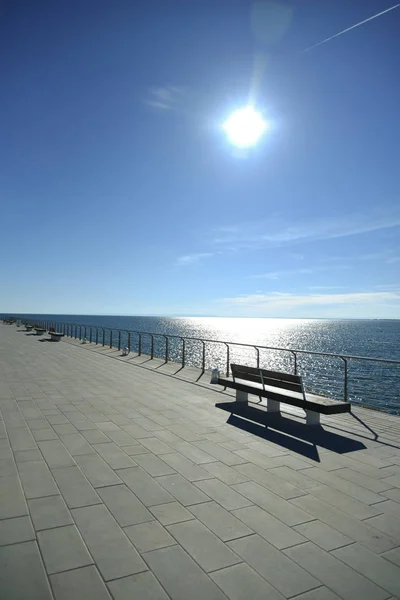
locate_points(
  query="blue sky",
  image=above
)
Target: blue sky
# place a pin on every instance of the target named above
(120, 193)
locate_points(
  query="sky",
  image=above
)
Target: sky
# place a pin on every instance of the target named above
(120, 192)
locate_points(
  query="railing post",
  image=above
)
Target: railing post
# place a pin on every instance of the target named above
(166, 348)
(111, 336)
(97, 335)
(80, 332)
(203, 358)
(90, 335)
(140, 344)
(183, 351)
(85, 332)
(152, 347)
(295, 361)
(129, 341)
(258, 356)
(345, 386)
(119, 339)
(104, 335)
(227, 358)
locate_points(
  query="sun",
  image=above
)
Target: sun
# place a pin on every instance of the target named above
(244, 127)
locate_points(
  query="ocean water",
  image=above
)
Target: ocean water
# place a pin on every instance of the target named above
(369, 383)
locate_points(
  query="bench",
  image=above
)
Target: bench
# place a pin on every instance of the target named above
(55, 336)
(40, 331)
(279, 387)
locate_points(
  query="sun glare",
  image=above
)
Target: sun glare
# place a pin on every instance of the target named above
(245, 127)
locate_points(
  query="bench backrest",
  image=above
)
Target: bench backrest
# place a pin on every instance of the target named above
(285, 381)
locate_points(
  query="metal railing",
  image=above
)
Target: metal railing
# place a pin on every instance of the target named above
(344, 377)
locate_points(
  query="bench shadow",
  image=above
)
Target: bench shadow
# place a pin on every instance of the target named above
(288, 433)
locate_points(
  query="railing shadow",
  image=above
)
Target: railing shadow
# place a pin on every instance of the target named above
(288, 433)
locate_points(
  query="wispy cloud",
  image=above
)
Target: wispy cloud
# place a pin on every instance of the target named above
(166, 98)
(190, 259)
(278, 230)
(274, 275)
(274, 300)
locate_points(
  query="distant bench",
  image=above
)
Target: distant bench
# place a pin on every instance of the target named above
(279, 387)
(55, 336)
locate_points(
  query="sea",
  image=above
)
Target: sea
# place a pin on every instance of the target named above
(369, 383)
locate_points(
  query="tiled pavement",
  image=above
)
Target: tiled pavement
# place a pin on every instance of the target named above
(119, 481)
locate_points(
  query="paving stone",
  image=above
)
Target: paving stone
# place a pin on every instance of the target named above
(386, 523)
(271, 482)
(221, 454)
(323, 535)
(108, 426)
(23, 559)
(21, 439)
(36, 479)
(185, 467)
(94, 436)
(380, 571)
(97, 470)
(393, 556)
(136, 449)
(55, 454)
(76, 444)
(267, 526)
(147, 489)
(63, 549)
(27, 455)
(388, 507)
(223, 494)
(358, 531)
(341, 501)
(206, 549)
(57, 419)
(193, 453)
(114, 456)
(65, 429)
(38, 424)
(79, 583)
(149, 536)
(170, 513)
(136, 432)
(121, 438)
(154, 465)
(75, 488)
(124, 505)
(240, 582)
(345, 582)
(112, 551)
(42, 435)
(7, 467)
(321, 593)
(275, 505)
(224, 473)
(221, 522)
(347, 487)
(283, 574)
(49, 512)
(169, 564)
(143, 586)
(13, 531)
(184, 491)
(295, 477)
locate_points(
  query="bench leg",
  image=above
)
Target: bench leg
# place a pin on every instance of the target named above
(273, 405)
(242, 396)
(312, 418)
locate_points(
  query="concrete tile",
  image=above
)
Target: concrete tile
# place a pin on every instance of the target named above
(184, 491)
(223, 494)
(240, 582)
(124, 505)
(76, 444)
(65, 429)
(143, 586)
(94, 436)
(154, 465)
(36, 479)
(373, 567)
(135, 432)
(224, 473)
(170, 513)
(221, 522)
(63, 549)
(97, 470)
(283, 574)
(25, 559)
(338, 577)
(108, 426)
(220, 454)
(80, 583)
(275, 505)
(168, 565)
(332, 480)
(341, 501)
(359, 531)
(121, 438)
(149, 536)
(156, 446)
(147, 489)
(270, 528)
(55, 454)
(49, 512)
(271, 482)
(295, 477)
(199, 457)
(75, 488)
(13, 531)
(7, 467)
(388, 524)
(112, 551)
(136, 449)
(114, 456)
(21, 439)
(206, 549)
(321, 593)
(38, 424)
(41, 435)
(323, 535)
(185, 467)
(393, 556)
(27, 455)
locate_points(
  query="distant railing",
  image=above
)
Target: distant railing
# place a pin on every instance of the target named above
(359, 379)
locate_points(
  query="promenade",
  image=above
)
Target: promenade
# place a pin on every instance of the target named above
(121, 478)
